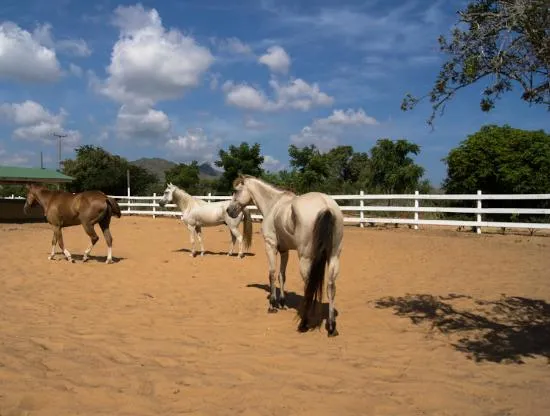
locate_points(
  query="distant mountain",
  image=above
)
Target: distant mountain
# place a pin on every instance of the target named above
(158, 166)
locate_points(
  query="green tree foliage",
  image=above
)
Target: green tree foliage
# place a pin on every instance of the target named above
(500, 160)
(185, 177)
(95, 168)
(243, 159)
(500, 42)
(392, 170)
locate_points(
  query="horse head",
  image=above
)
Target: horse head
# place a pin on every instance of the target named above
(32, 198)
(241, 197)
(168, 195)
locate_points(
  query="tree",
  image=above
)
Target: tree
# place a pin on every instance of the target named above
(392, 170)
(95, 168)
(185, 177)
(311, 168)
(243, 159)
(500, 160)
(503, 42)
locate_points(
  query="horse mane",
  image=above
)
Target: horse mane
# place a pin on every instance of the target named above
(240, 181)
(187, 199)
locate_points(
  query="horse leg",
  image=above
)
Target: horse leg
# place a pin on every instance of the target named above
(233, 239)
(272, 257)
(333, 272)
(59, 233)
(54, 242)
(305, 265)
(192, 238)
(237, 236)
(199, 237)
(282, 278)
(89, 228)
(104, 224)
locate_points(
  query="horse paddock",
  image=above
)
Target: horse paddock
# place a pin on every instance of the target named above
(431, 322)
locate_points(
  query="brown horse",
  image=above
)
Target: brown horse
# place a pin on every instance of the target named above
(65, 209)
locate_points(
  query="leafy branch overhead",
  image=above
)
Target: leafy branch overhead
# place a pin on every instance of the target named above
(503, 43)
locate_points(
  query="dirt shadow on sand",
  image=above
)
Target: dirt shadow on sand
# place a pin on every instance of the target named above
(506, 330)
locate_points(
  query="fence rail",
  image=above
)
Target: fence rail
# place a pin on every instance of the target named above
(364, 204)
(148, 205)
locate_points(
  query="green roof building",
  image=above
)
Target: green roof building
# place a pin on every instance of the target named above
(17, 175)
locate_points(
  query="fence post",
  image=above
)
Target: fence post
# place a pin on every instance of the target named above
(416, 205)
(361, 213)
(479, 206)
(154, 204)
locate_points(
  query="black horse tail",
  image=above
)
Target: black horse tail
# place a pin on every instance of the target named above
(114, 206)
(323, 232)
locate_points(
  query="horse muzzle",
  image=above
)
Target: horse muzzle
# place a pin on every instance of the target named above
(232, 211)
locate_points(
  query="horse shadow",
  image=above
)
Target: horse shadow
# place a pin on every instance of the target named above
(99, 259)
(295, 301)
(506, 330)
(215, 253)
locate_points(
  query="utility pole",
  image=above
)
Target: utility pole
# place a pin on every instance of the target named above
(59, 137)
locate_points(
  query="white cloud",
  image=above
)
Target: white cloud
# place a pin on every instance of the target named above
(276, 59)
(348, 117)
(309, 135)
(246, 96)
(326, 132)
(34, 123)
(76, 47)
(298, 94)
(75, 70)
(142, 123)
(233, 45)
(295, 94)
(23, 58)
(13, 159)
(271, 164)
(252, 124)
(194, 145)
(150, 63)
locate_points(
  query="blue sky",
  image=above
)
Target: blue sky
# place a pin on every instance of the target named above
(182, 79)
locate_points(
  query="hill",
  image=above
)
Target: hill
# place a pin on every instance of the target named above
(158, 166)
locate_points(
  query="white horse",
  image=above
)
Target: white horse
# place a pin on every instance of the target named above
(312, 224)
(197, 213)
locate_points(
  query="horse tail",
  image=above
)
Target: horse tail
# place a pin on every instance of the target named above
(115, 209)
(247, 228)
(323, 232)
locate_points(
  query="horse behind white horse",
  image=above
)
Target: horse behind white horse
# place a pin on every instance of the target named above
(312, 224)
(197, 213)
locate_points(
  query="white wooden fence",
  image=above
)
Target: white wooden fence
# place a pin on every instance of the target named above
(359, 214)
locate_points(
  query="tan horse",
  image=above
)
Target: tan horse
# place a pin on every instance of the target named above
(312, 224)
(65, 209)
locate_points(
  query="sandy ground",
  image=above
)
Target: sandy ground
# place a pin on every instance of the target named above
(431, 322)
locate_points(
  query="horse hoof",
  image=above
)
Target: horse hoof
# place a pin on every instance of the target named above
(70, 260)
(303, 327)
(333, 333)
(50, 257)
(282, 304)
(272, 310)
(84, 259)
(202, 254)
(109, 261)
